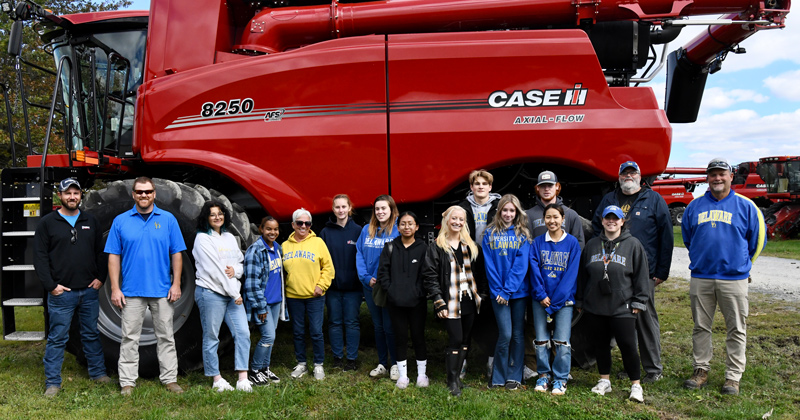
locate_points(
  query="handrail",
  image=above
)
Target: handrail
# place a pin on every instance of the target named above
(68, 130)
(10, 125)
(23, 95)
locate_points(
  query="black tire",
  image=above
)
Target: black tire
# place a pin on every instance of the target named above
(677, 215)
(185, 203)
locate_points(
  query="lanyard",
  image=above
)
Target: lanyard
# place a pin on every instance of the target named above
(607, 258)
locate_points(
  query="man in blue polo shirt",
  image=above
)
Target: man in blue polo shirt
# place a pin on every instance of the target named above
(141, 245)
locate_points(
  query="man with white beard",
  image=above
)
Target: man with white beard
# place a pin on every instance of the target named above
(647, 218)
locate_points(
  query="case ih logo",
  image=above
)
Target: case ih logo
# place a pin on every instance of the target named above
(274, 115)
(533, 98)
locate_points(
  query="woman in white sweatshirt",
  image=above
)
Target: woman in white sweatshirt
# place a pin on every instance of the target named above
(218, 294)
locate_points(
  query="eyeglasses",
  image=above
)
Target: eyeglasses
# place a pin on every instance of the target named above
(74, 237)
(301, 223)
(143, 192)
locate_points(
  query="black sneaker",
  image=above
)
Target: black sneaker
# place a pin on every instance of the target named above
(257, 378)
(350, 365)
(651, 378)
(270, 376)
(513, 386)
(338, 362)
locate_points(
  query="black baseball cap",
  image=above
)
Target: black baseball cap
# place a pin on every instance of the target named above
(68, 182)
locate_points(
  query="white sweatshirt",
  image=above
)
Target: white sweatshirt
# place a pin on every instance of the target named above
(212, 254)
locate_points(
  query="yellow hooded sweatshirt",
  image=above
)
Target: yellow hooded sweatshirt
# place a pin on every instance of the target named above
(307, 264)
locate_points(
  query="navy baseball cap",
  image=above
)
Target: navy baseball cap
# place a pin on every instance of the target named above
(612, 209)
(68, 182)
(629, 164)
(718, 163)
(547, 177)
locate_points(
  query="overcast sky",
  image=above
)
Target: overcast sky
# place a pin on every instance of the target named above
(750, 109)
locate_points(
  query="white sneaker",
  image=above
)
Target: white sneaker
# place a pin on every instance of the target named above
(422, 381)
(244, 385)
(319, 372)
(394, 373)
(299, 371)
(402, 383)
(221, 386)
(528, 374)
(637, 394)
(603, 386)
(378, 371)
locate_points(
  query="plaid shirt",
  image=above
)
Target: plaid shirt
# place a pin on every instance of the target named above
(458, 275)
(256, 273)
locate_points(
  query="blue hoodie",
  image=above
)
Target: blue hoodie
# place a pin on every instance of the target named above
(341, 242)
(723, 237)
(555, 266)
(506, 258)
(369, 252)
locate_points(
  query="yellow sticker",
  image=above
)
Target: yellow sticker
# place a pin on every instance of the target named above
(30, 210)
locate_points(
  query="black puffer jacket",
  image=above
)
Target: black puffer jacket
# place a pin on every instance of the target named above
(400, 272)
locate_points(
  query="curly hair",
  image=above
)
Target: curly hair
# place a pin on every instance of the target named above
(202, 219)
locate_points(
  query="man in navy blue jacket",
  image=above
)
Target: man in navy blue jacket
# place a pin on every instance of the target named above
(724, 233)
(647, 217)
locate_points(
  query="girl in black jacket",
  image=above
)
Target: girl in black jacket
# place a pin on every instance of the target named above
(612, 290)
(399, 270)
(456, 294)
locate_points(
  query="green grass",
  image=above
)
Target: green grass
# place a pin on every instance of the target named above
(781, 249)
(771, 382)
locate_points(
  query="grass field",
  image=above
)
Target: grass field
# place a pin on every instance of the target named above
(781, 249)
(771, 383)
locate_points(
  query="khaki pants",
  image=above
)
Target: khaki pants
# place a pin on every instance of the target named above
(132, 317)
(731, 296)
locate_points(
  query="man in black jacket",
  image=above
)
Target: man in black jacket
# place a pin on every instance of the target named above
(70, 263)
(647, 217)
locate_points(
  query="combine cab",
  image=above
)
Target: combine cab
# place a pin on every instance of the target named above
(782, 176)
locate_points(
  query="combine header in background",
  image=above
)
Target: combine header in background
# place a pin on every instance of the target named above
(284, 107)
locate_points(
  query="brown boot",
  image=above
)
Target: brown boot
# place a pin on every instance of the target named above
(174, 388)
(730, 387)
(698, 380)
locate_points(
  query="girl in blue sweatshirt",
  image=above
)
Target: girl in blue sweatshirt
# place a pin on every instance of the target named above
(505, 249)
(382, 228)
(554, 261)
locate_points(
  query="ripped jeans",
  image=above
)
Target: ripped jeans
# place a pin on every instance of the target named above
(561, 334)
(263, 351)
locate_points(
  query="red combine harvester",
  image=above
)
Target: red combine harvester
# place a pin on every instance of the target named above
(782, 177)
(284, 107)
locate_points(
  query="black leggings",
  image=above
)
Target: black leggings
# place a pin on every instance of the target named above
(459, 331)
(403, 319)
(603, 328)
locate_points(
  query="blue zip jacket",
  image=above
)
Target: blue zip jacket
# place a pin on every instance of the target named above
(649, 221)
(369, 252)
(554, 268)
(506, 259)
(723, 237)
(341, 242)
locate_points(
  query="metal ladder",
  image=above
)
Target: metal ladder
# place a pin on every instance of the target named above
(26, 197)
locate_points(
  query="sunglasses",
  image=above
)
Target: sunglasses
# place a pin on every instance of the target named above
(301, 223)
(74, 237)
(143, 192)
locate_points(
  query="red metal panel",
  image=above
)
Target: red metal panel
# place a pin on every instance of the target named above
(442, 126)
(330, 137)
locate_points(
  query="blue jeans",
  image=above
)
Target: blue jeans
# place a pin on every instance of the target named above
(314, 308)
(61, 309)
(561, 334)
(509, 354)
(343, 309)
(214, 308)
(384, 334)
(263, 352)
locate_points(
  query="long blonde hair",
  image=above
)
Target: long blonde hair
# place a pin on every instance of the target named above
(375, 225)
(441, 240)
(520, 222)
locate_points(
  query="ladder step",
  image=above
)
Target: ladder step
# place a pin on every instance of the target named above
(24, 302)
(26, 336)
(21, 267)
(19, 233)
(23, 199)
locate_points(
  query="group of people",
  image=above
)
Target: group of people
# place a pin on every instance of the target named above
(528, 271)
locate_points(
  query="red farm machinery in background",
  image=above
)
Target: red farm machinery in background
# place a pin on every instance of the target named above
(283, 104)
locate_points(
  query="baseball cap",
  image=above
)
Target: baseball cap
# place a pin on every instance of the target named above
(718, 163)
(68, 182)
(547, 177)
(629, 164)
(612, 209)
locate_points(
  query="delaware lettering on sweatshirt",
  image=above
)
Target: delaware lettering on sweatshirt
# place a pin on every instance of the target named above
(502, 243)
(554, 260)
(714, 216)
(300, 254)
(618, 259)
